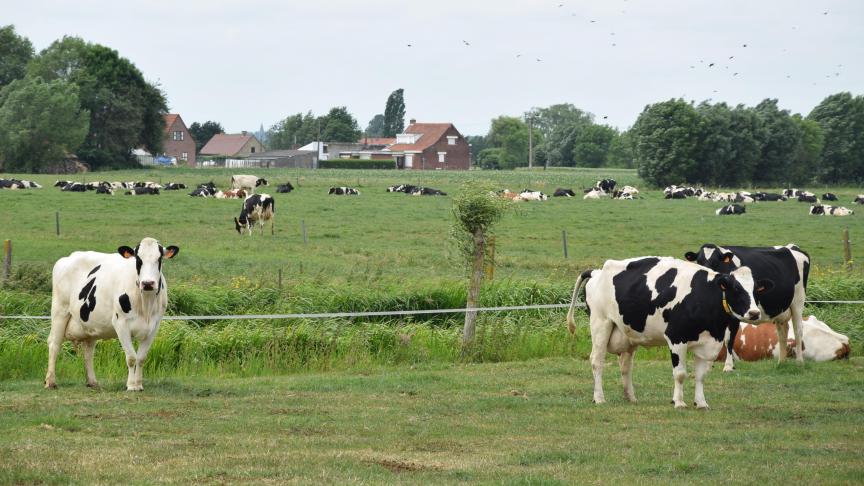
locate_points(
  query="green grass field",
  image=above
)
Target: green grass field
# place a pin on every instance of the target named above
(508, 423)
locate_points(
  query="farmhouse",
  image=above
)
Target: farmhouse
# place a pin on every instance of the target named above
(233, 145)
(428, 146)
(178, 142)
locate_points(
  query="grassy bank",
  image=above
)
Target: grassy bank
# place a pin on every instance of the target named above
(507, 423)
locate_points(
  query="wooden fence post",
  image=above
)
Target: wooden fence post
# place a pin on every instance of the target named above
(57, 222)
(303, 227)
(564, 241)
(7, 260)
(847, 249)
(490, 262)
(280, 278)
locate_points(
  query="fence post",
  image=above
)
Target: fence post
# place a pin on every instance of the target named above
(564, 241)
(7, 260)
(303, 228)
(847, 249)
(280, 278)
(57, 222)
(490, 262)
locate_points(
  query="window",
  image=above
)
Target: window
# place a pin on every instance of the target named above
(451, 139)
(441, 156)
(178, 135)
(184, 156)
(253, 150)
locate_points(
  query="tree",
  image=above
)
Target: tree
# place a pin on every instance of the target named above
(394, 114)
(375, 128)
(15, 53)
(476, 209)
(805, 164)
(666, 137)
(728, 146)
(294, 131)
(125, 110)
(203, 132)
(841, 117)
(510, 134)
(621, 151)
(591, 145)
(339, 126)
(39, 123)
(559, 125)
(779, 139)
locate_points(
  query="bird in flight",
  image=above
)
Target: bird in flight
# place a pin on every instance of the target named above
(465, 42)
(711, 65)
(539, 60)
(409, 45)
(745, 45)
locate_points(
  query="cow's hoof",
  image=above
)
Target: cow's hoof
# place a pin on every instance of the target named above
(728, 369)
(704, 406)
(599, 401)
(93, 385)
(680, 405)
(135, 388)
(50, 386)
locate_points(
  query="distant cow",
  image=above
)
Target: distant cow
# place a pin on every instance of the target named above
(105, 190)
(807, 199)
(796, 193)
(406, 188)
(594, 194)
(247, 182)
(768, 196)
(98, 296)
(235, 194)
(824, 210)
(529, 195)
(426, 191)
(731, 209)
(75, 187)
(62, 184)
(829, 196)
(606, 185)
(344, 191)
(821, 343)
(284, 188)
(142, 191)
(561, 192)
(662, 301)
(859, 199)
(206, 189)
(256, 208)
(174, 186)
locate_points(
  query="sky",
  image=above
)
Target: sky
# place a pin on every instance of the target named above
(253, 62)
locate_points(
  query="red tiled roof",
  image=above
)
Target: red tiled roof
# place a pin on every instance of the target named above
(225, 144)
(377, 141)
(170, 118)
(432, 132)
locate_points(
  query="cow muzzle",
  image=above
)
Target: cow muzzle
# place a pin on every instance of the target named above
(148, 285)
(754, 315)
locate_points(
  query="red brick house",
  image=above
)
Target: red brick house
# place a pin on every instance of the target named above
(431, 146)
(178, 141)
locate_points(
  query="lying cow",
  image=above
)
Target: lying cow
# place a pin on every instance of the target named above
(529, 195)
(768, 196)
(561, 192)
(143, 191)
(256, 208)
(807, 199)
(98, 296)
(662, 301)
(406, 188)
(859, 199)
(235, 194)
(731, 209)
(594, 194)
(824, 210)
(284, 188)
(105, 190)
(74, 187)
(175, 186)
(829, 196)
(821, 343)
(344, 191)
(249, 182)
(605, 185)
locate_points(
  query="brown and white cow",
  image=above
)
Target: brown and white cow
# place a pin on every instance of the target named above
(820, 342)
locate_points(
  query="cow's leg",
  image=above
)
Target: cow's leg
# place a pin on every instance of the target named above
(729, 366)
(679, 373)
(625, 361)
(701, 368)
(59, 320)
(601, 329)
(125, 337)
(89, 348)
(798, 326)
(782, 336)
(141, 355)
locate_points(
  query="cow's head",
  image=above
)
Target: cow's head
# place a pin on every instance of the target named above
(261, 182)
(739, 290)
(148, 262)
(714, 257)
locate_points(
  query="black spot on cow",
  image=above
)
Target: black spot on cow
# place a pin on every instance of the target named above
(125, 304)
(88, 295)
(675, 359)
(632, 292)
(679, 318)
(96, 269)
(86, 289)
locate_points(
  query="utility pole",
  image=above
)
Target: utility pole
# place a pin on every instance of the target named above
(530, 140)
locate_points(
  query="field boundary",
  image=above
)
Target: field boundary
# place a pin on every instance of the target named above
(330, 315)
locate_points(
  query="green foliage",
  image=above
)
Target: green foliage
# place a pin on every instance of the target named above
(779, 139)
(621, 151)
(510, 135)
(728, 145)
(203, 132)
(294, 131)
(476, 208)
(841, 117)
(559, 124)
(394, 114)
(591, 145)
(39, 123)
(339, 126)
(375, 128)
(666, 141)
(805, 163)
(356, 164)
(15, 52)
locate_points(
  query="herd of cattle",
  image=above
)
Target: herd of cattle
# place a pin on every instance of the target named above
(603, 188)
(743, 197)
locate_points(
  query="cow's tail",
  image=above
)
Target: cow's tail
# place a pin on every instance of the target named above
(571, 322)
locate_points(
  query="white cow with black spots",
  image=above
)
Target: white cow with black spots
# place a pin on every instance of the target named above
(99, 296)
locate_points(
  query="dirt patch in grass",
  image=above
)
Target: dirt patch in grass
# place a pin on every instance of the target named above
(402, 466)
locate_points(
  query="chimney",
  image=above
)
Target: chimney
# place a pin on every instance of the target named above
(244, 133)
(412, 121)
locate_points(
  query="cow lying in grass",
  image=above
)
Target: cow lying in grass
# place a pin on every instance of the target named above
(820, 342)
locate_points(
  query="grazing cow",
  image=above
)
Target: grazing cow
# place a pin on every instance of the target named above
(657, 301)
(807, 199)
(284, 188)
(98, 296)
(142, 191)
(859, 199)
(594, 194)
(344, 191)
(787, 266)
(75, 187)
(829, 196)
(606, 185)
(256, 208)
(821, 343)
(235, 194)
(175, 186)
(426, 191)
(247, 182)
(731, 209)
(561, 192)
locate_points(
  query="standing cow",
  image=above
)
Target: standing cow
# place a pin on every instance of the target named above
(249, 182)
(256, 208)
(787, 266)
(657, 301)
(99, 296)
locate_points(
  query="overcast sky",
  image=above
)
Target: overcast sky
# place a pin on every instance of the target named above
(257, 61)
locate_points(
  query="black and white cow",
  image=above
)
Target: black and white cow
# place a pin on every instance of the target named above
(859, 199)
(175, 186)
(663, 301)
(426, 191)
(561, 192)
(606, 185)
(787, 266)
(406, 188)
(807, 199)
(205, 189)
(824, 210)
(249, 182)
(143, 191)
(344, 191)
(731, 209)
(284, 188)
(75, 187)
(62, 184)
(105, 190)
(98, 296)
(256, 208)
(768, 196)
(796, 193)
(829, 196)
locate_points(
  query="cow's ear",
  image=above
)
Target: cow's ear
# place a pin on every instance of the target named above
(764, 286)
(126, 252)
(171, 251)
(690, 256)
(727, 257)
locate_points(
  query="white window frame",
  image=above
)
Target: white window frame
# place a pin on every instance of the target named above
(451, 139)
(184, 156)
(442, 157)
